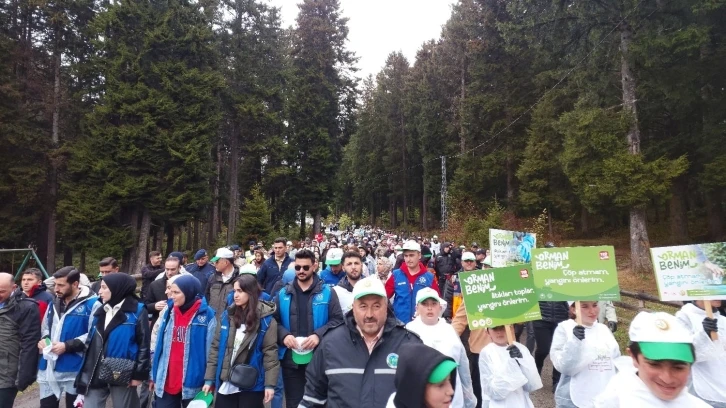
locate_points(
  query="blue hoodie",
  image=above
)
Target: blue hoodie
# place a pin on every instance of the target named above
(329, 278)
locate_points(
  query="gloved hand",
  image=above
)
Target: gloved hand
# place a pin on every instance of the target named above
(613, 326)
(710, 325)
(579, 332)
(514, 351)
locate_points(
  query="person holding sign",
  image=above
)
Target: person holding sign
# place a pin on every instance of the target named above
(708, 381)
(662, 353)
(436, 333)
(404, 283)
(583, 350)
(508, 373)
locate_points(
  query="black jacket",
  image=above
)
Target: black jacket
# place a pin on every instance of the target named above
(335, 316)
(554, 312)
(344, 350)
(148, 274)
(156, 293)
(446, 264)
(19, 336)
(95, 347)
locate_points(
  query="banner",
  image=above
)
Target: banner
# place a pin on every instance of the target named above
(495, 297)
(579, 273)
(689, 272)
(510, 247)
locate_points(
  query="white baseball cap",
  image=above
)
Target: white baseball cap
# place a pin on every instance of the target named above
(427, 293)
(222, 253)
(411, 245)
(468, 256)
(369, 286)
(436, 237)
(662, 337)
(334, 256)
(397, 248)
(248, 269)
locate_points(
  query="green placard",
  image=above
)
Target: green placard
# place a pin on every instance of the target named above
(579, 273)
(690, 272)
(495, 297)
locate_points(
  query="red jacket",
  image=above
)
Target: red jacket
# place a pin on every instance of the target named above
(40, 294)
(411, 279)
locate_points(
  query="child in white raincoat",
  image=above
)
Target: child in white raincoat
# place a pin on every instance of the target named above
(508, 373)
(584, 355)
(707, 376)
(437, 334)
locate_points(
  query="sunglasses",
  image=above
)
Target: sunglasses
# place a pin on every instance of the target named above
(303, 267)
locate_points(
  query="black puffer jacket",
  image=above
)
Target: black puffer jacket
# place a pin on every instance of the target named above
(343, 374)
(96, 347)
(554, 312)
(19, 336)
(446, 263)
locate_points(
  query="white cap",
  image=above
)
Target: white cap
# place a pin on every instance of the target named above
(411, 245)
(468, 256)
(334, 256)
(289, 242)
(435, 237)
(248, 269)
(397, 248)
(225, 253)
(662, 336)
(427, 293)
(369, 286)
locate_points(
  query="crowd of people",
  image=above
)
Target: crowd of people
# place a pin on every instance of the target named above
(362, 318)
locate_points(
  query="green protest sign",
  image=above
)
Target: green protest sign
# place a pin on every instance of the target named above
(580, 273)
(495, 297)
(690, 272)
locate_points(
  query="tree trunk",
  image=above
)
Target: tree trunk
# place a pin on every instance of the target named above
(639, 243)
(195, 242)
(303, 229)
(584, 221)
(143, 241)
(714, 215)
(394, 214)
(510, 178)
(156, 245)
(214, 214)
(549, 223)
(405, 173)
(316, 222)
(188, 245)
(82, 264)
(424, 212)
(462, 127)
(135, 248)
(67, 257)
(679, 210)
(55, 140)
(233, 185)
(169, 227)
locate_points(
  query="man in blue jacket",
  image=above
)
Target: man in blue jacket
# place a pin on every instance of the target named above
(64, 327)
(271, 270)
(201, 268)
(334, 272)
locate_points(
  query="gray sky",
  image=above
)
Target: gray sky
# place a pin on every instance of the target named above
(379, 27)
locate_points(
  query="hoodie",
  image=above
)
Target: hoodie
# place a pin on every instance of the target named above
(40, 294)
(416, 362)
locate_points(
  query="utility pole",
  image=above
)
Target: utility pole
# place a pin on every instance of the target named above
(444, 220)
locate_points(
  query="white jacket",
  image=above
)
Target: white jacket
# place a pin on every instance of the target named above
(586, 365)
(443, 338)
(506, 382)
(627, 390)
(709, 382)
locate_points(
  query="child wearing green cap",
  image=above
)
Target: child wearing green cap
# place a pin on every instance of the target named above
(424, 378)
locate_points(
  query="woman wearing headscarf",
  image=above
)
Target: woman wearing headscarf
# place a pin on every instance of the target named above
(243, 362)
(185, 336)
(116, 359)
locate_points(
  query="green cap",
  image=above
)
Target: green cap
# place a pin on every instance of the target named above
(302, 358)
(667, 351)
(442, 370)
(202, 400)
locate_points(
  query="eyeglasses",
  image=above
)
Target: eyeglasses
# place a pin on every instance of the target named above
(303, 267)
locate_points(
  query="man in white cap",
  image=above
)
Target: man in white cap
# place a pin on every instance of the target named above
(405, 282)
(355, 363)
(333, 273)
(221, 283)
(436, 333)
(662, 353)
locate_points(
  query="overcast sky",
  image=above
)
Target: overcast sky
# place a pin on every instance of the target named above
(379, 27)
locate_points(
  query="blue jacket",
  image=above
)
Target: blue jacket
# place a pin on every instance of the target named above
(320, 304)
(71, 328)
(256, 359)
(269, 273)
(202, 274)
(263, 296)
(404, 298)
(329, 278)
(197, 344)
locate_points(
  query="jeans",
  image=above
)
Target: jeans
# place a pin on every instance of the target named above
(475, 377)
(279, 392)
(543, 333)
(7, 397)
(171, 401)
(294, 383)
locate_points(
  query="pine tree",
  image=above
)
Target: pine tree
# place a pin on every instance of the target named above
(254, 220)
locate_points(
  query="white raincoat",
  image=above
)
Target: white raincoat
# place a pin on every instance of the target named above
(443, 338)
(707, 376)
(506, 381)
(586, 365)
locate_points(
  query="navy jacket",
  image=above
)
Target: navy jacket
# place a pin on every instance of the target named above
(269, 273)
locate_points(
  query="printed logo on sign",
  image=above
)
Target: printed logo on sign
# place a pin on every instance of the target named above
(604, 255)
(524, 273)
(483, 322)
(475, 323)
(392, 360)
(489, 322)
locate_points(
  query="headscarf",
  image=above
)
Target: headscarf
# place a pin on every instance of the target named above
(121, 286)
(190, 287)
